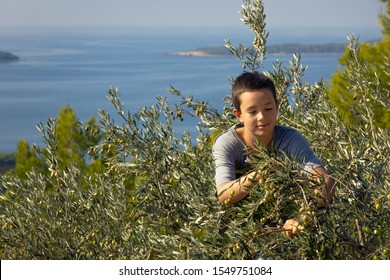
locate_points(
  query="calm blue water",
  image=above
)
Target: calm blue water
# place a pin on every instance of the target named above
(77, 67)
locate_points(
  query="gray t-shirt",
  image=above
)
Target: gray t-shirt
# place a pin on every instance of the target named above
(230, 154)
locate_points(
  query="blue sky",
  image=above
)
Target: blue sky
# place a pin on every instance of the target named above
(280, 13)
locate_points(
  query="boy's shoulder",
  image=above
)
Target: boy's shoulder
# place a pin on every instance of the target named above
(288, 138)
(225, 134)
(228, 137)
(285, 131)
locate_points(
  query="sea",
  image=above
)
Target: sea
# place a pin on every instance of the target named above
(62, 66)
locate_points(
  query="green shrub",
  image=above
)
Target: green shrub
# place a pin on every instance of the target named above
(155, 196)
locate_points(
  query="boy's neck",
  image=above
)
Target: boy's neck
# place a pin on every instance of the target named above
(251, 141)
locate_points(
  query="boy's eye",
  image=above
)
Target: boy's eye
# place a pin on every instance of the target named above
(268, 109)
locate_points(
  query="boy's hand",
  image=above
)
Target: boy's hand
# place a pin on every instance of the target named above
(291, 227)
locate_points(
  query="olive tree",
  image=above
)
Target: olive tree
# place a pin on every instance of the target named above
(155, 197)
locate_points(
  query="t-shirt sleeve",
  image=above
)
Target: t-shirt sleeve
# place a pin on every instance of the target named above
(224, 161)
(299, 150)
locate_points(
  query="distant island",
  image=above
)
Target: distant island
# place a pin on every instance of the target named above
(7, 162)
(8, 57)
(282, 49)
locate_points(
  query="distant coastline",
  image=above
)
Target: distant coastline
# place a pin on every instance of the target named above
(281, 49)
(8, 57)
(7, 162)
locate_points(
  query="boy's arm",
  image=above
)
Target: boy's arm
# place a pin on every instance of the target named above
(326, 197)
(329, 191)
(236, 190)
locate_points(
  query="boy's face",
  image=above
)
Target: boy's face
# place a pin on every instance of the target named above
(258, 112)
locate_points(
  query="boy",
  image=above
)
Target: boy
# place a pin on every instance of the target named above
(256, 107)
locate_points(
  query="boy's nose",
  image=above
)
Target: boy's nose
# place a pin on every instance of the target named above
(260, 116)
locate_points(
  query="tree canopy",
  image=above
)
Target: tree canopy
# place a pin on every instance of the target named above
(372, 86)
(153, 195)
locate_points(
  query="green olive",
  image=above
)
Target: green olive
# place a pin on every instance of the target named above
(366, 229)
(386, 253)
(236, 249)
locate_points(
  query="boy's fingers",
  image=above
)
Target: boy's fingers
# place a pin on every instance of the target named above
(292, 227)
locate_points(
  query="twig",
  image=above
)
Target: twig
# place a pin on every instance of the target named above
(273, 231)
(360, 233)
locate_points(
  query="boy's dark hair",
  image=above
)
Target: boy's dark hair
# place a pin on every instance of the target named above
(251, 81)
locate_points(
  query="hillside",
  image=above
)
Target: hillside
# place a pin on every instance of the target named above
(7, 162)
(330, 48)
(7, 57)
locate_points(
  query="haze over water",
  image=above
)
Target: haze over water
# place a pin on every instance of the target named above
(77, 66)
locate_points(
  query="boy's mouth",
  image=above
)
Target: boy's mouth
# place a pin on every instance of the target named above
(262, 125)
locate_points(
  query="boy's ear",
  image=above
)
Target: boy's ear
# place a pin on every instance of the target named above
(237, 114)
